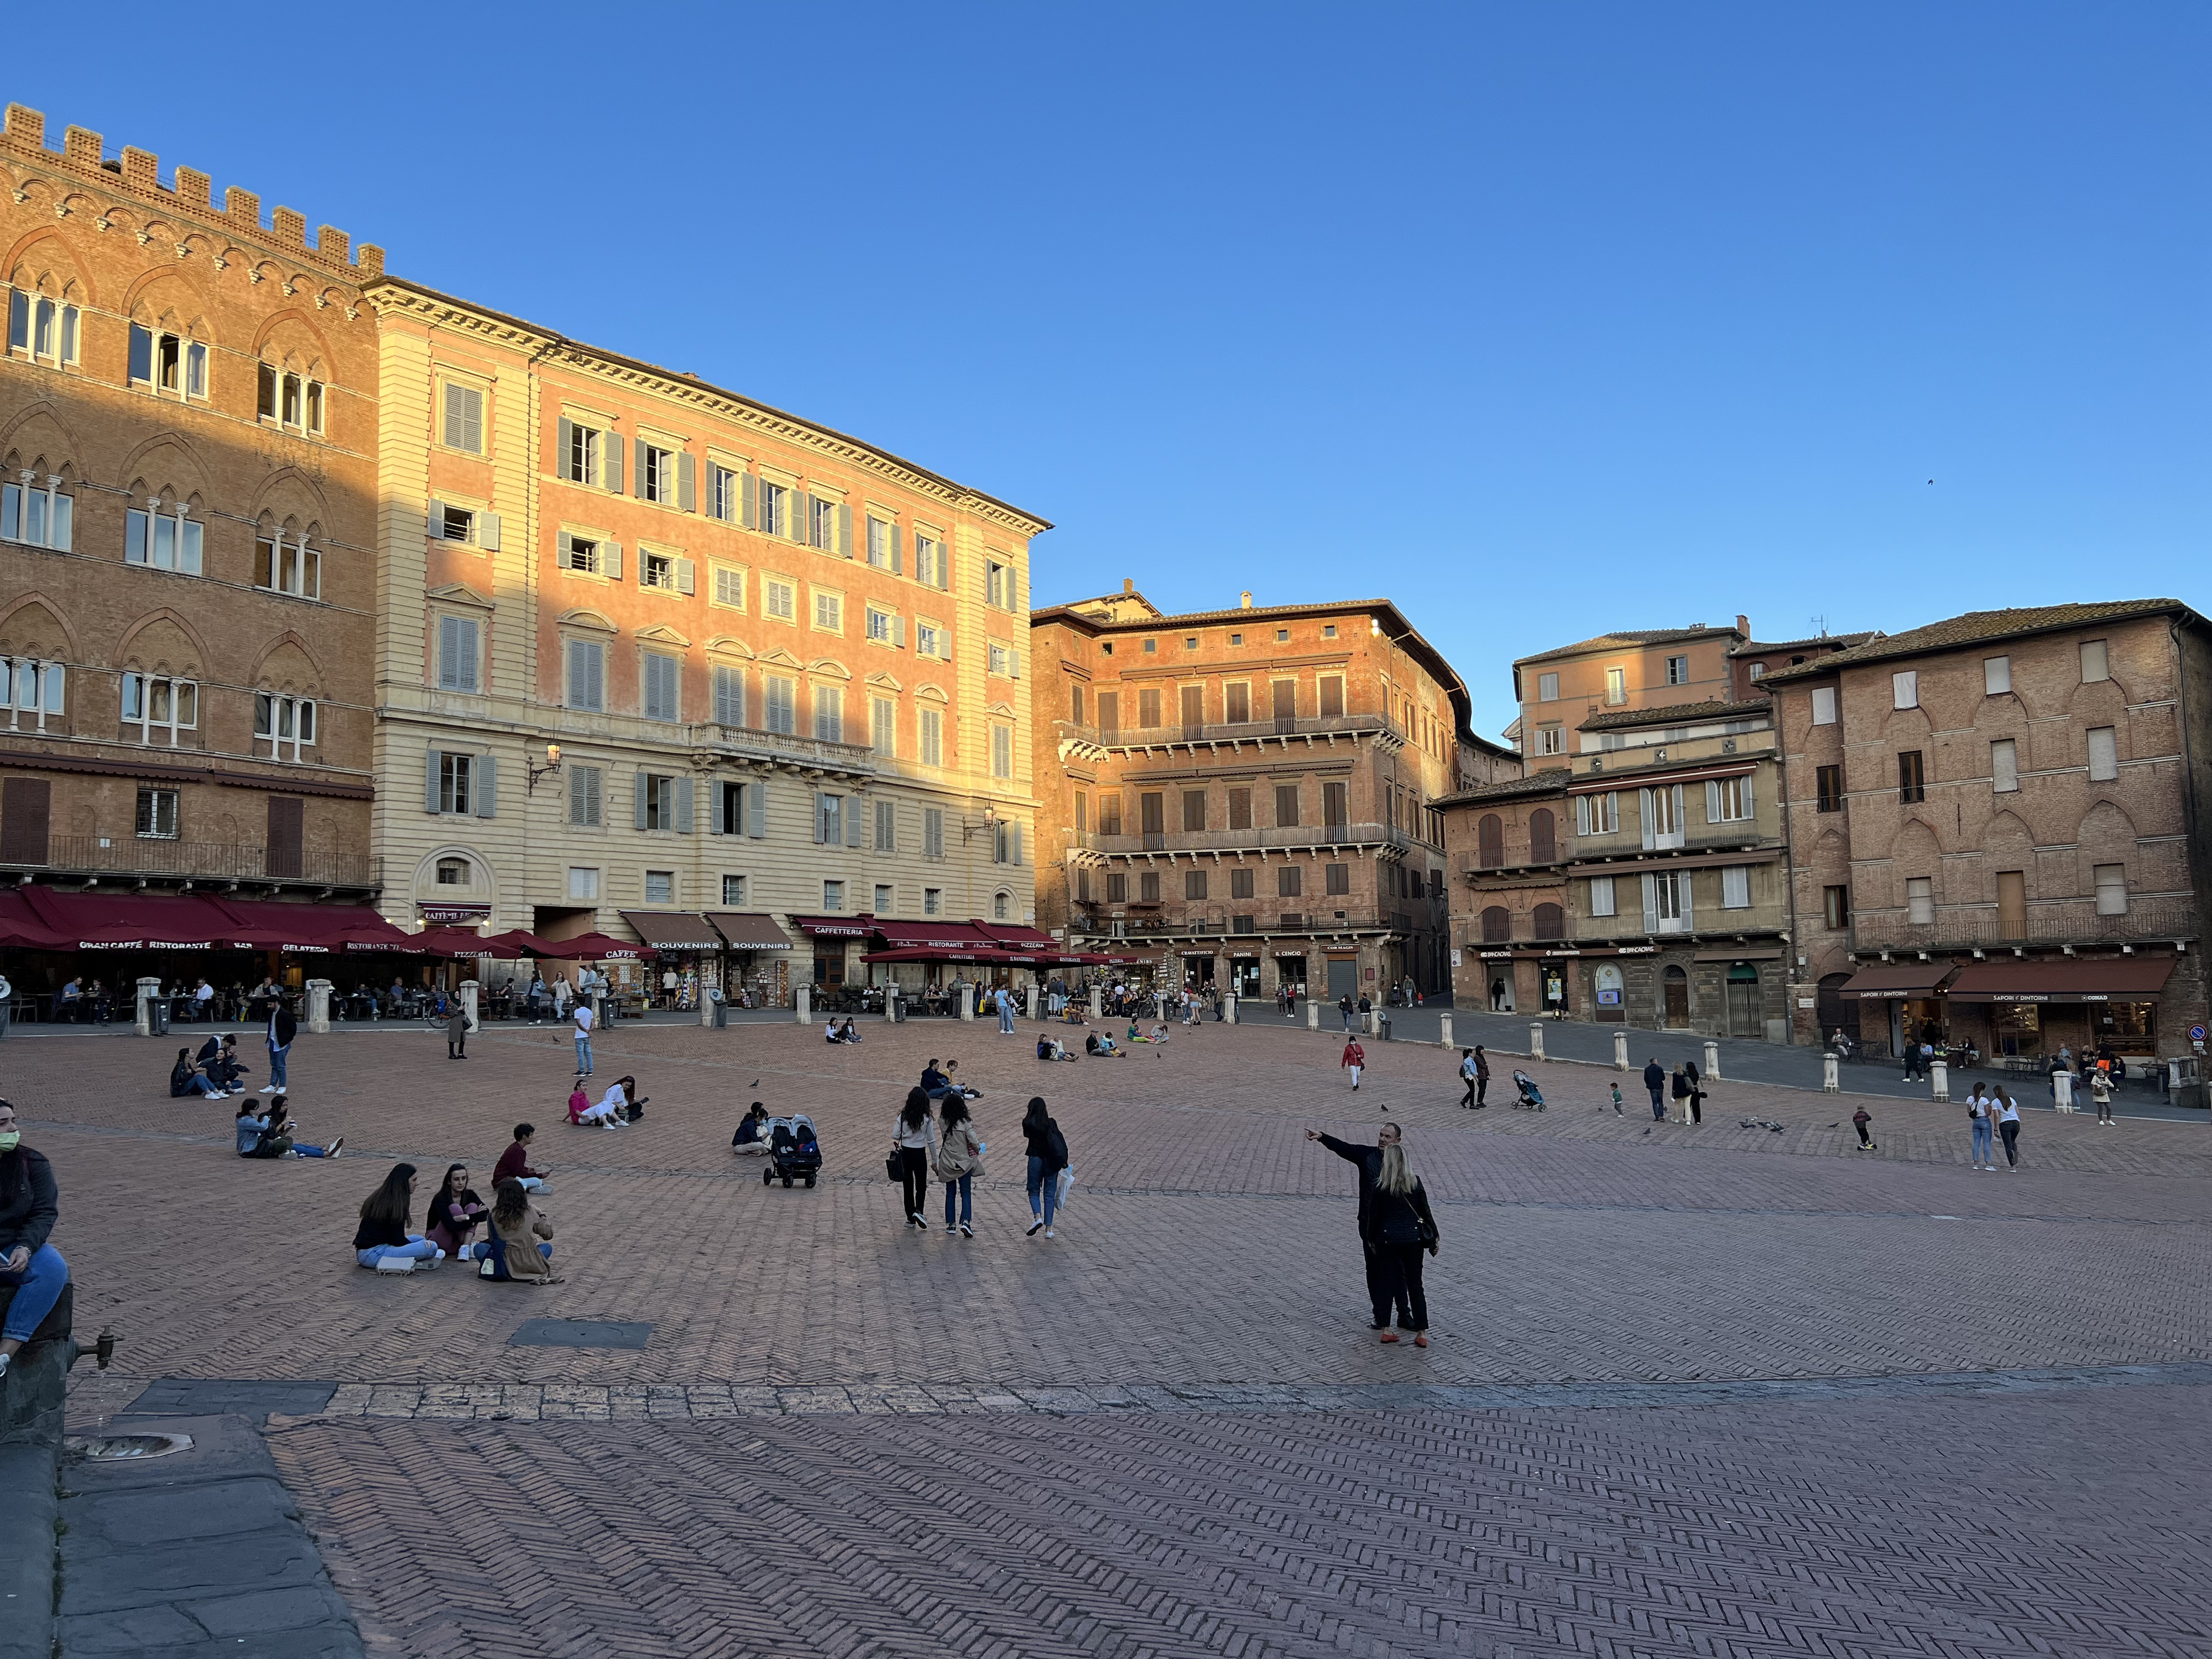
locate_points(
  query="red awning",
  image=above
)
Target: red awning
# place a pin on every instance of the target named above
(594, 947)
(1897, 979)
(464, 942)
(126, 921)
(1016, 937)
(2109, 979)
(24, 929)
(265, 925)
(836, 926)
(930, 953)
(521, 941)
(935, 935)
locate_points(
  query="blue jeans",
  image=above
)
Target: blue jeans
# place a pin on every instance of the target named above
(277, 1058)
(38, 1287)
(1983, 1151)
(1006, 1020)
(1347, 1021)
(1658, 1105)
(967, 1205)
(1047, 1181)
(419, 1248)
(200, 1085)
(584, 1053)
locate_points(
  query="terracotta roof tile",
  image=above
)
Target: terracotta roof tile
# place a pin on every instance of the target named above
(1980, 627)
(1681, 714)
(1551, 781)
(1629, 636)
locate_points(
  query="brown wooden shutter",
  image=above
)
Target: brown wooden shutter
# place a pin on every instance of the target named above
(287, 837)
(25, 803)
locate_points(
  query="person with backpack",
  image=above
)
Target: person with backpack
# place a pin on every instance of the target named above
(1395, 1227)
(1860, 1120)
(1047, 1154)
(1355, 1058)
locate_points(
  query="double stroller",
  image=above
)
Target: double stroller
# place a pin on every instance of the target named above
(1532, 1098)
(793, 1153)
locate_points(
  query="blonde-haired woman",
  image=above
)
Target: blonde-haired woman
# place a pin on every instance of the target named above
(1394, 1228)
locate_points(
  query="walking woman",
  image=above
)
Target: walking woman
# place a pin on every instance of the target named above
(1394, 1228)
(1977, 1116)
(914, 1138)
(2008, 1126)
(959, 1160)
(383, 1217)
(30, 1204)
(1697, 1097)
(1047, 1149)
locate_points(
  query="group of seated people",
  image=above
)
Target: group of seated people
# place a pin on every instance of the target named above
(1051, 1048)
(214, 1073)
(1159, 1033)
(1102, 1043)
(937, 1081)
(620, 1107)
(843, 1033)
(517, 1242)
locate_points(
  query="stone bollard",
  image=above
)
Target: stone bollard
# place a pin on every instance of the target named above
(1313, 1016)
(1713, 1062)
(1939, 1079)
(1620, 1051)
(2062, 1089)
(802, 1004)
(470, 992)
(1030, 1000)
(706, 1002)
(1536, 1040)
(1444, 1030)
(967, 1001)
(149, 989)
(1097, 1003)
(599, 1010)
(1229, 1008)
(1160, 1007)
(319, 1007)
(1830, 1082)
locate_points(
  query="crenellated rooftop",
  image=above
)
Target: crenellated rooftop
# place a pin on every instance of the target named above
(136, 174)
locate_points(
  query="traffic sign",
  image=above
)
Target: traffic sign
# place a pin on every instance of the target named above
(2196, 1034)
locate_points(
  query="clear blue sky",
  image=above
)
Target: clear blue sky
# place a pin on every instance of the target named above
(1540, 319)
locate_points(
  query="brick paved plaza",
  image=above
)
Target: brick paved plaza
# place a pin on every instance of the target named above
(1709, 1389)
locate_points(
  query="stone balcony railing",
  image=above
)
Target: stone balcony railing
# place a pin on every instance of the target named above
(2146, 921)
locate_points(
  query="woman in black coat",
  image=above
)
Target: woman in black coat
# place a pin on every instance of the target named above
(1396, 1227)
(1048, 1151)
(30, 1204)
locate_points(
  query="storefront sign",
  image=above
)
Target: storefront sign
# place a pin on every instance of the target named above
(443, 913)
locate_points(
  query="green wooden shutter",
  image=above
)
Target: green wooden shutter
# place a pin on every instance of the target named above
(687, 481)
(430, 780)
(844, 530)
(683, 805)
(567, 441)
(746, 507)
(610, 445)
(487, 781)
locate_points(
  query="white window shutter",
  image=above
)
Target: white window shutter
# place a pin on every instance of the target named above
(612, 447)
(637, 482)
(637, 791)
(717, 800)
(486, 777)
(488, 532)
(746, 500)
(896, 569)
(1013, 663)
(817, 818)
(566, 438)
(1712, 800)
(434, 517)
(687, 577)
(845, 530)
(898, 625)
(1678, 821)
(611, 561)
(1647, 803)
(430, 780)
(755, 811)
(1650, 903)
(1750, 811)
(683, 805)
(686, 483)
(853, 814)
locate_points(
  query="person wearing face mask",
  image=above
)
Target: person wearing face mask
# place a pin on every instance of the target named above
(29, 1206)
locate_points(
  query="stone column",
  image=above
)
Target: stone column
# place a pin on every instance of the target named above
(1536, 1040)
(1830, 1083)
(1445, 1028)
(470, 992)
(1620, 1051)
(802, 1005)
(1939, 1078)
(148, 990)
(1713, 1061)
(318, 1007)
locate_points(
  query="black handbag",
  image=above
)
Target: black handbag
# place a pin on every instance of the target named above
(892, 1166)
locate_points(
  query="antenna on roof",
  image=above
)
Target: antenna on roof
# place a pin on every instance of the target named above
(1820, 623)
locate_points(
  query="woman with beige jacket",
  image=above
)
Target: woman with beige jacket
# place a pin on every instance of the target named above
(518, 1228)
(957, 1162)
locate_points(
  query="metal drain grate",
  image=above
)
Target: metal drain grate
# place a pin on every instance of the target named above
(115, 1448)
(581, 1334)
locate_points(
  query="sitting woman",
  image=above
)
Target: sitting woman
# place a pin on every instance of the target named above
(619, 1109)
(274, 1138)
(30, 1204)
(1051, 1048)
(383, 1232)
(185, 1079)
(454, 1213)
(844, 1033)
(751, 1138)
(1159, 1033)
(1098, 1042)
(516, 1226)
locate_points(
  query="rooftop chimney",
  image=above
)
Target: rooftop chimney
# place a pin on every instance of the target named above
(1128, 585)
(1743, 625)
(1244, 600)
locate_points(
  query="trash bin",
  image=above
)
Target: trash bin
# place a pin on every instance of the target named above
(1383, 1021)
(721, 1013)
(897, 1006)
(157, 1015)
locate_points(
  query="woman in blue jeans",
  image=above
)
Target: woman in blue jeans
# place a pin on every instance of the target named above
(383, 1217)
(33, 1269)
(958, 1161)
(1047, 1158)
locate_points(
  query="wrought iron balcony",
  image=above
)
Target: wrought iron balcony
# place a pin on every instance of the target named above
(156, 859)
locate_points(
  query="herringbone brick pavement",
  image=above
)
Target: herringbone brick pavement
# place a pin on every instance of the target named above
(1874, 1527)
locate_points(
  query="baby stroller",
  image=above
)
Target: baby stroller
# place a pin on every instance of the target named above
(1532, 1098)
(793, 1150)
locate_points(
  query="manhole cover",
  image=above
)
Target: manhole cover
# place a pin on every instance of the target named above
(113, 1448)
(581, 1334)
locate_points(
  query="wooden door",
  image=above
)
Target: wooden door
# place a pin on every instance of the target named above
(1678, 997)
(1286, 704)
(25, 807)
(2011, 904)
(1194, 712)
(287, 837)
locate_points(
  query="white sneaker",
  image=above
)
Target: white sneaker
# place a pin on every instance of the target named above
(1048, 1233)
(268, 1088)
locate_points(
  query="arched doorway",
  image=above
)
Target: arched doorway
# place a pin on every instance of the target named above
(1675, 985)
(1744, 1017)
(1835, 1011)
(1607, 980)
